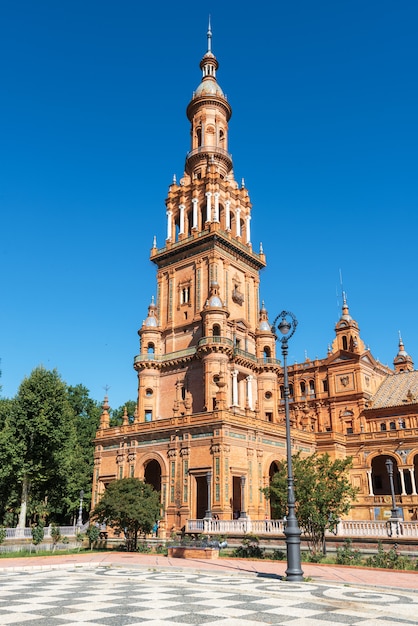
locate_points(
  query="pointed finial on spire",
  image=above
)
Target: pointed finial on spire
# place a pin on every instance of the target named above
(261, 248)
(174, 179)
(154, 242)
(242, 183)
(209, 37)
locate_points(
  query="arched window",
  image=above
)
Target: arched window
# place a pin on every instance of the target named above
(345, 344)
(392, 426)
(216, 330)
(266, 353)
(302, 389)
(311, 387)
(151, 348)
(382, 426)
(199, 136)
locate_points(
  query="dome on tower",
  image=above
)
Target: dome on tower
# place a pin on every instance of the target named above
(208, 87)
(151, 320)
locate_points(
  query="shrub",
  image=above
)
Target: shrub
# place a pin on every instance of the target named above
(144, 548)
(37, 533)
(346, 555)
(2, 534)
(390, 559)
(93, 534)
(250, 548)
(278, 555)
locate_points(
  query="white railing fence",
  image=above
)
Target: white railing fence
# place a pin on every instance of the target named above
(345, 528)
(26, 533)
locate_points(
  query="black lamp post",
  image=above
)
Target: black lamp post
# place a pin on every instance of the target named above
(287, 327)
(80, 510)
(394, 518)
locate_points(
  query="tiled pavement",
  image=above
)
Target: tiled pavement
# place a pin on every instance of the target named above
(146, 590)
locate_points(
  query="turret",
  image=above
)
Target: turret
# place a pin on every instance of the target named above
(402, 361)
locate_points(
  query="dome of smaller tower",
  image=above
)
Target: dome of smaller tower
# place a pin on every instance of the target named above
(214, 299)
(151, 320)
(263, 322)
(210, 87)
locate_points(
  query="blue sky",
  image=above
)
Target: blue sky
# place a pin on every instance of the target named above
(93, 126)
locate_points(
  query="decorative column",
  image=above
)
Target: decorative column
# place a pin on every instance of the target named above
(216, 207)
(228, 215)
(243, 512)
(249, 381)
(403, 489)
(208, 206)
(238, 222)
(413, 483)
(369, 478)
(194, 202)
(169, 225)
(208, 513)
(181, 229)
(248, 220)
(234, 374)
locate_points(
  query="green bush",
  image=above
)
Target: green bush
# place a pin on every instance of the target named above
(144, 548)
(346, 555)
(93, 534)
(278, 555)
(37, 533)
(391, 559)
(250, 548)
(2, 534)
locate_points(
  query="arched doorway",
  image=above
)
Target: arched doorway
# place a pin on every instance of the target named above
(201, 496)
(276, 511)
(152, 474)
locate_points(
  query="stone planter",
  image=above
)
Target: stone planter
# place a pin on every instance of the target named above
(192, 552)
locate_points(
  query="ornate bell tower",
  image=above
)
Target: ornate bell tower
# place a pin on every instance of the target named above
(207, 302)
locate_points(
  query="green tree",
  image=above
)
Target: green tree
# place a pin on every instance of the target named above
(323, 493)
(9, 460)
(87, 417)
(38, 533)
(45, 437)
(116, 415)
(130, 506)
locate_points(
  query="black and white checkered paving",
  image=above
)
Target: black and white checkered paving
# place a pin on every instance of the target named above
(137, 597)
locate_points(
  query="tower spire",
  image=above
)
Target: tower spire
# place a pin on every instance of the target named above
(209, 37)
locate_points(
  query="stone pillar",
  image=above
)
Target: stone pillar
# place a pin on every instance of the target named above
(243, 512)
(194, 202)
(181, 226)
(249, 380)
(238, 222)
(208, 513)
(413, 483)
(208, 206)
(169, 225)
(216, 207)
(369, 478)
(234, 388)
(227, 215)
(248, 227)
(403, 490)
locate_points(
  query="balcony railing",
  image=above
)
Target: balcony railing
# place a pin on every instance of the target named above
(346, 528)
(169, 356)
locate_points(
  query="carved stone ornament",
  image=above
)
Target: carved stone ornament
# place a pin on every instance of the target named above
(344, 380)
(171, 453)
(185, 452)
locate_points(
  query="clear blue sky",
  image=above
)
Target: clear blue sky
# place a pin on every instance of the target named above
(92, 128)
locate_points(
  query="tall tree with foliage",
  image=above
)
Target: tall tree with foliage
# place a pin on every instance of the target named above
(9, 462)
(87, 417)
(44, 432)
(323, 493)
(130, 506)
